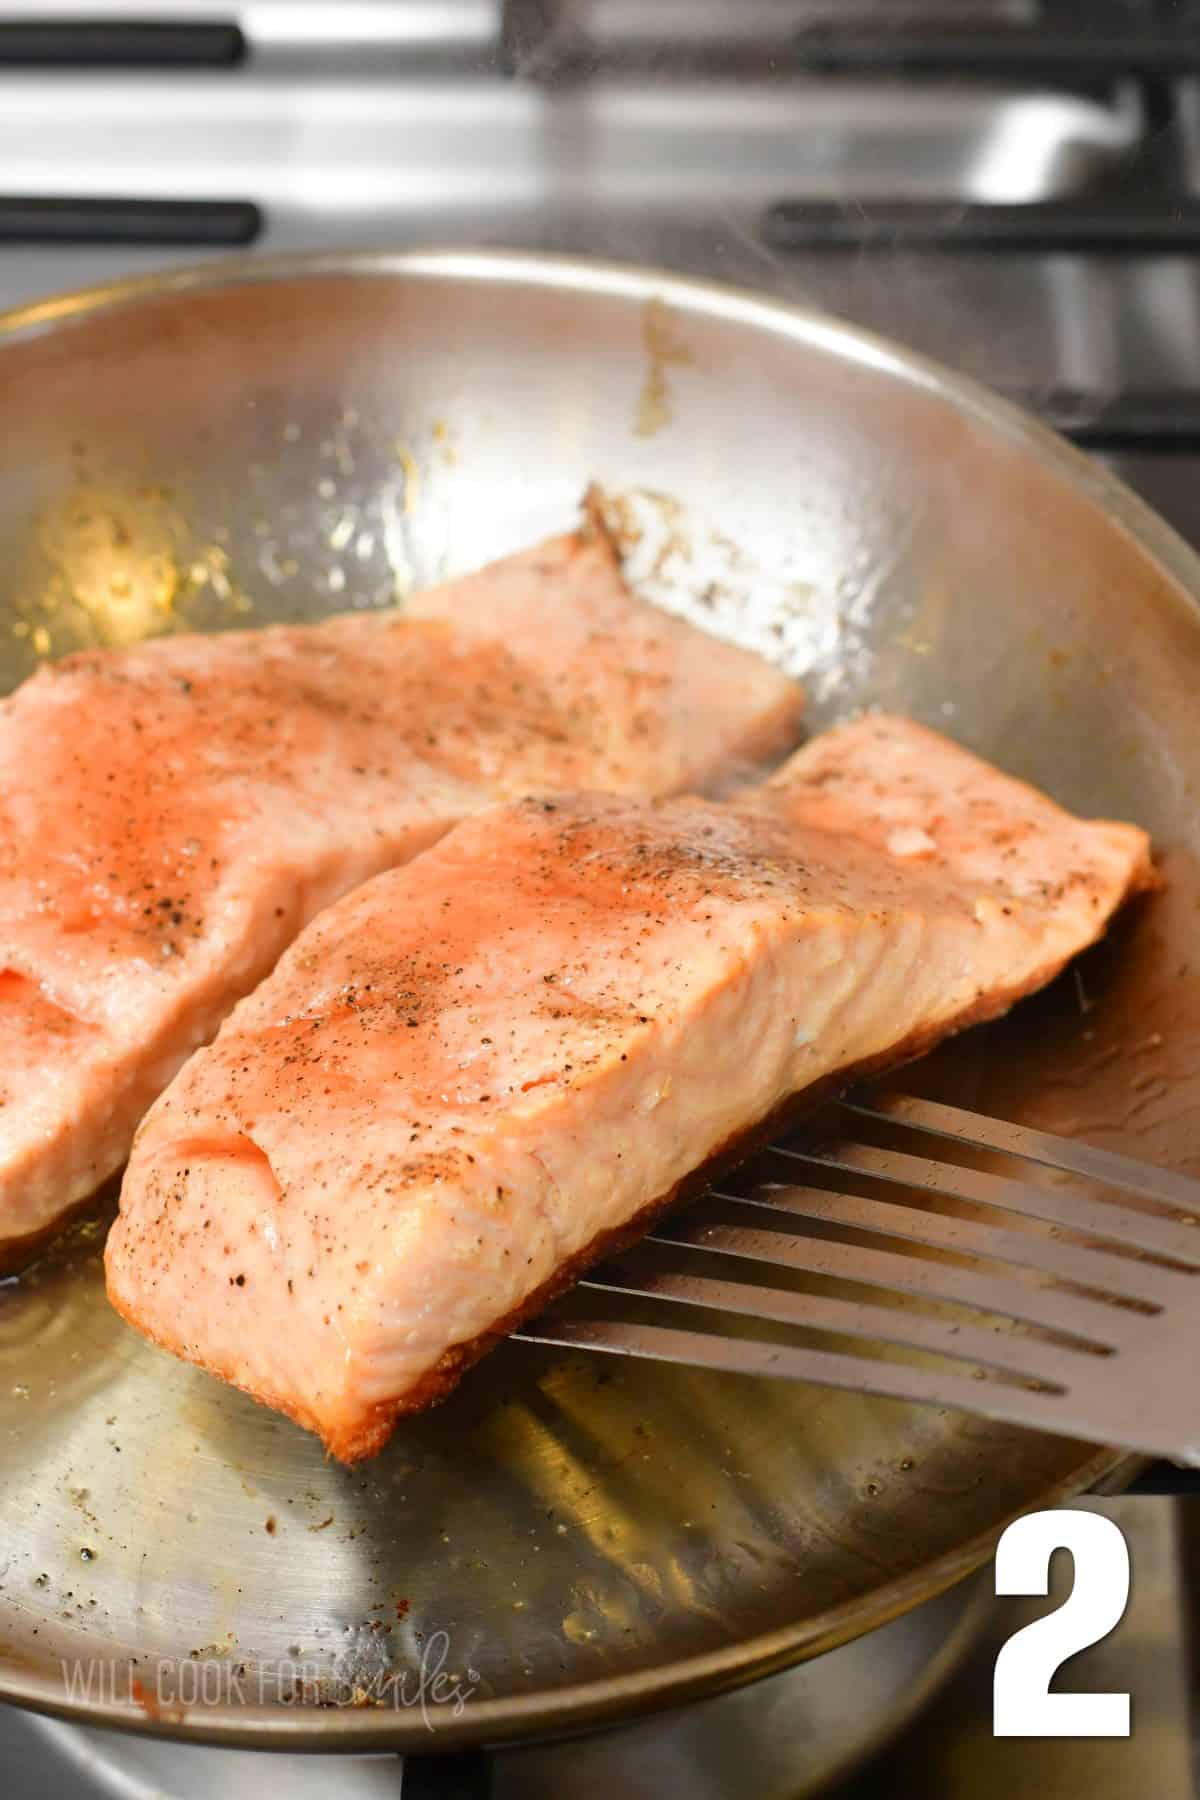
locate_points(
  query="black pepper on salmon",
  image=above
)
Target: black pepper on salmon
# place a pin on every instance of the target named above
(466, 1077)
(172, 814)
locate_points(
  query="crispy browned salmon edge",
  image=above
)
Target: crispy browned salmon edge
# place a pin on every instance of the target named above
(17, 1254)
(369, 1438)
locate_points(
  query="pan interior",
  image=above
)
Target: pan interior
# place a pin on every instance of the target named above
(587, 1535)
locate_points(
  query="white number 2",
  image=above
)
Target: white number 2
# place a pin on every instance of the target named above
(1022, 1704)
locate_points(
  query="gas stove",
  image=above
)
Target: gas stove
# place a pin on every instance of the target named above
(1008, 185)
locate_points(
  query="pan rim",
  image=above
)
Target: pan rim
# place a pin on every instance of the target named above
(611, 1698)
(724, 301)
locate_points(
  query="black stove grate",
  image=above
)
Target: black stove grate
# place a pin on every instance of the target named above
(208, 224)
(1122, 225)
(1015, 52)
(1163, 422)
(108, 44)
(1147, 210)
(1067, 41)
(121, 44)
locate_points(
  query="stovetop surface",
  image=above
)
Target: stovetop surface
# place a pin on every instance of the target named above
(855, 156)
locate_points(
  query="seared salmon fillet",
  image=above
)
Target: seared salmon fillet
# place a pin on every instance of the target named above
(171, 815)
(469, 1077)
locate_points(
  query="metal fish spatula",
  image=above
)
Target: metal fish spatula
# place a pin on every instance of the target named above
(1069, 1302)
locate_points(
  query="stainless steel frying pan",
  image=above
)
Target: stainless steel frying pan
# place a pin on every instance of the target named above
(564, 1542)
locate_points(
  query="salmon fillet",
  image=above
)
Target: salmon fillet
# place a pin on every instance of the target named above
(466, 1078)
(171, 815)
